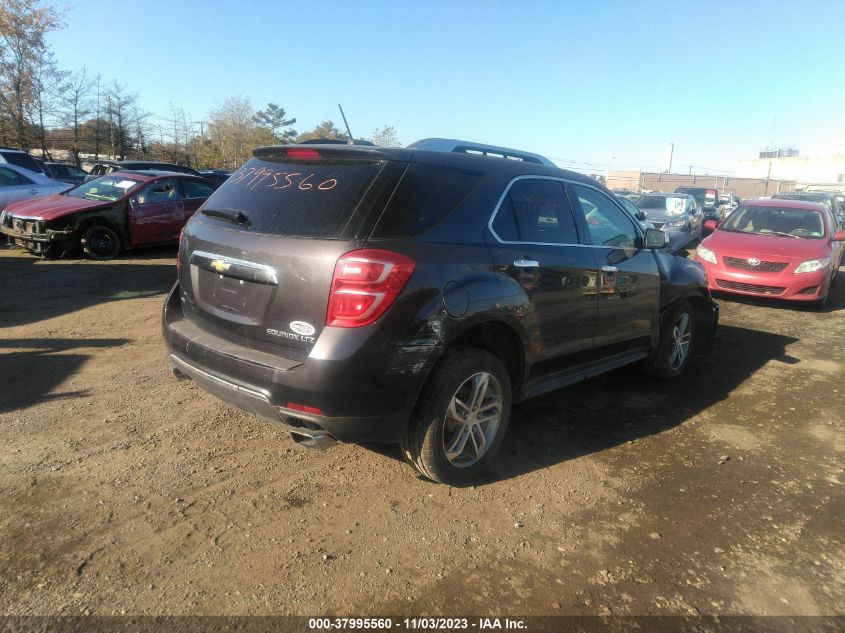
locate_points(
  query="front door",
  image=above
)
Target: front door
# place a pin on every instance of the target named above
(156, 213)
(628, 277)
(535, 244)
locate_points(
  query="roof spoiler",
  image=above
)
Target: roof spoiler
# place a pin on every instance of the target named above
(302, 151)
(468, 147)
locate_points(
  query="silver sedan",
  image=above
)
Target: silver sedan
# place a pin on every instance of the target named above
(17, 183)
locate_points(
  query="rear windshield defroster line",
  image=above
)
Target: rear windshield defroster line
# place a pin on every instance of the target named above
(296, 198)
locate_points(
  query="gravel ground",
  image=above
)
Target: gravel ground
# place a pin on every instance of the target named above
(124, 491)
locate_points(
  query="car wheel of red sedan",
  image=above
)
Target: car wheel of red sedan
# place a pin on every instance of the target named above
(677, 336)
(101, 242)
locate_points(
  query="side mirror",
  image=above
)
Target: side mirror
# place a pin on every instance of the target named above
(839, 236)
(710, 225)
(641, 215)
(655, 238)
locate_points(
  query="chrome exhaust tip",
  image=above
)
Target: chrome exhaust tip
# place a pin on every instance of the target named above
(318, 441)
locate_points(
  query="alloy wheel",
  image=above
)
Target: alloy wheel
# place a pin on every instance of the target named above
(472, 420)
(681, 339)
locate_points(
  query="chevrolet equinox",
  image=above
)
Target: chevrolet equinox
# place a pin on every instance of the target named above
(413, 295)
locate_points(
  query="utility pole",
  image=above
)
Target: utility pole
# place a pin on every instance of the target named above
(690, 170)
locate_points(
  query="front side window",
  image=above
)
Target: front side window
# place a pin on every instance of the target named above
(160, 192)
(607, 224)
(536, 211)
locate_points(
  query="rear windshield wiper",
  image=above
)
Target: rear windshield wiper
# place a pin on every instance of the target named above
(236, 217)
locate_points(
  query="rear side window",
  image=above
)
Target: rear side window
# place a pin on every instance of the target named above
(296, 198)
(424, 196)
(22, 160)
(11, 178)
(536, 211)
(196, 188)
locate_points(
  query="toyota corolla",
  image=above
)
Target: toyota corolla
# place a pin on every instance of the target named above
(777, 248)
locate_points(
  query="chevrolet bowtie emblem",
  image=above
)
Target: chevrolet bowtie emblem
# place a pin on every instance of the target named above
(220, 265)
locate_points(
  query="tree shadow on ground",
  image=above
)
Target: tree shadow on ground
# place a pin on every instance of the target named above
(34, 290)
(31, 372)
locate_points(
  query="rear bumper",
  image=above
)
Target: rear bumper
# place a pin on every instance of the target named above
(364, 393)
(785, 285)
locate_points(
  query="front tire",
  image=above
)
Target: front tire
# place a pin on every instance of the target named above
(100, 242)
(677, 337)
(461, 417)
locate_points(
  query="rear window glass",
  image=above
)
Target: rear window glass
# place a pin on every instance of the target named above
(296, 199)
(22, 160)
(423, 198)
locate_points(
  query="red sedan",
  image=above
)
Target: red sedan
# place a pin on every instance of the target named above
(103, 216)
(776, 248)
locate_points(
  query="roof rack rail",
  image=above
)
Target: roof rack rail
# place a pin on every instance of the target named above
(468, 147)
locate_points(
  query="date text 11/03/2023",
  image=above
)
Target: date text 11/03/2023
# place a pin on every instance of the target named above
(423, 623)
(253, 177)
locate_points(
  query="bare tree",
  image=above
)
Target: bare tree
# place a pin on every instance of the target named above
(123, 113)
(75, 107)
(233, 132)
(23, 55)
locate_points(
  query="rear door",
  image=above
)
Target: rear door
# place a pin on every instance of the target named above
(628, 277)
(257, 260)
(195, 191)
(156, 212)
(536, 246)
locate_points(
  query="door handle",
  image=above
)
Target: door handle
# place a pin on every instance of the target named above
(33, 191)
(526, 263)
(609, 269)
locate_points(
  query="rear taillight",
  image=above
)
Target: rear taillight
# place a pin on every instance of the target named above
(364, 285)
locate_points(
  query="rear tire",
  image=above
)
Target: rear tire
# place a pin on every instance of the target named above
(461, 417)
(677, 340)
(100, 242)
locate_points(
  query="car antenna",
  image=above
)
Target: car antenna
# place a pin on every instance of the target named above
(346, 123)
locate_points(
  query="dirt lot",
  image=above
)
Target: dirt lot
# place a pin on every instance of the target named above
(123, 491)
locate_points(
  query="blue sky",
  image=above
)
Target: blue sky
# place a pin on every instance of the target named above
(585, 83)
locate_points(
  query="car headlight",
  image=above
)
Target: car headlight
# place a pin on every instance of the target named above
(812, 265)
(706, 254)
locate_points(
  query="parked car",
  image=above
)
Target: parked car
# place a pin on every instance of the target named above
(108, 166)
(20, 158)
(67, 173)
(410, 295)
(673, 211)
(708, 199)
(788, 249)
(729, 201)
(217, 176)
(121, 210)
(17, 183)
(829, 199)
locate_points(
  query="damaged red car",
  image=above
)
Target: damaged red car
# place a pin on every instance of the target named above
(103, 216)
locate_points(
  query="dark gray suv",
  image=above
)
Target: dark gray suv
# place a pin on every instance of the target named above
(413, 295)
